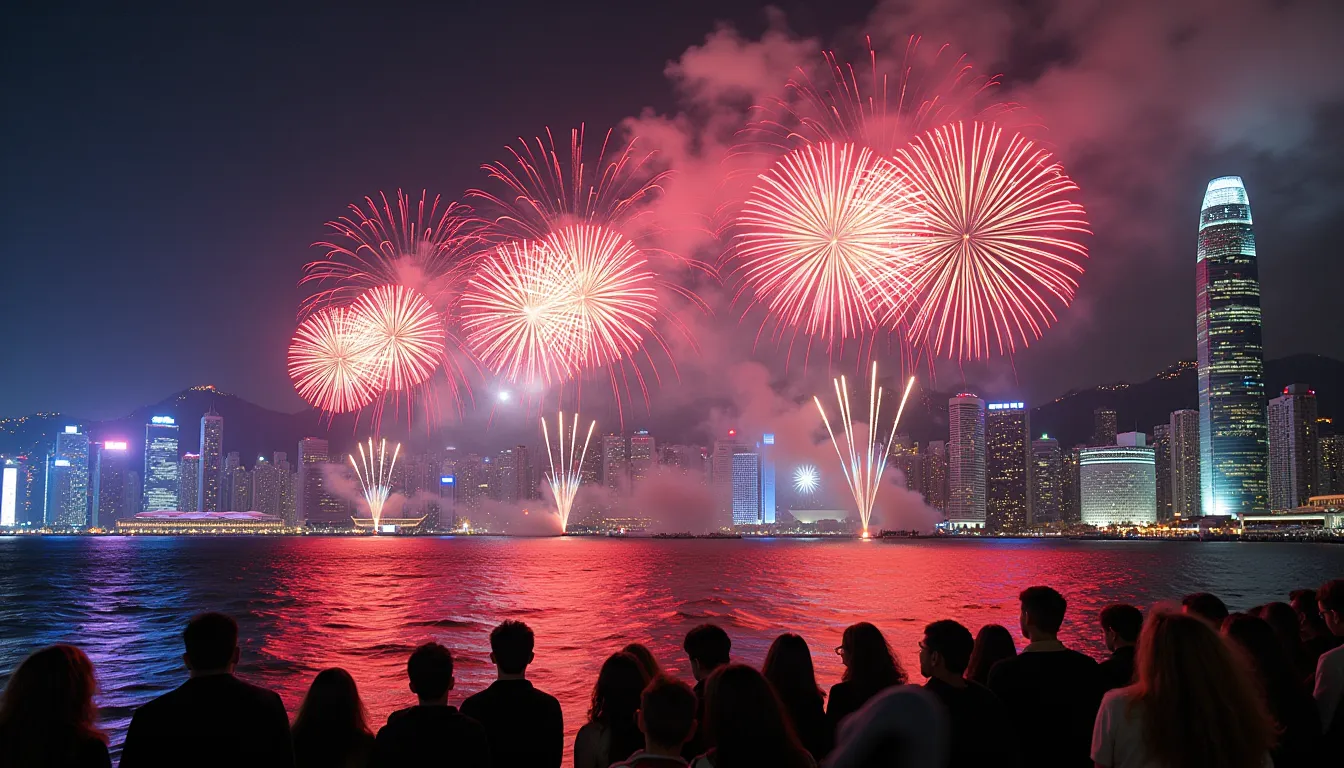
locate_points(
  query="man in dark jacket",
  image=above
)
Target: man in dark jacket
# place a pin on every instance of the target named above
(979, 728)
(524, 725)
(707, 647)
(1052, 692)
(1120, 624)
(430, 733)
(213, 719)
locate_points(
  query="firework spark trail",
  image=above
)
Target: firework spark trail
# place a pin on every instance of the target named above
(609, 301)
(403, 334)
(863, 468)
(423, 244)
(996, 241)
(566, 475)
(819, 240)
(375, 477)
(328, 362)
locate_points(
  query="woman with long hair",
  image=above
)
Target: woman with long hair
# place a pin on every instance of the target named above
(746, 725)
(331, 729)
(788, 667)
(1288, 629)
(612, 732)
(1293, 709)
(993, 644)
(645, 657)
(870, 668)
(47, 713)
(1195, 704)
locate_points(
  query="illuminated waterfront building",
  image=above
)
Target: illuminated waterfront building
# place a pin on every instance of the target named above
(209, 477)
(189, 471)
(935, 475)
(1119, 483)
(1104, 426)
(721, 476)
(746, 487)
(1161, 442)
(1070, 496)
(1294, 450)
(766, 450)
(67, 480)
(179, 523)
(1007, 458)
(13, 492)
(1331, 452)
(615, 466)
(161, 465)
(966, 462)
(1047, 466)
(110, 483)
(266, 487)
(643, 455)
(1233, 442)
(1183, 434)
(315, 505)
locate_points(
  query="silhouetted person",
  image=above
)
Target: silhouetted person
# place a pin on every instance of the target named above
(979, 728)
(331, 729)
(746, 725)
(1299, 742)
(1283, 619)
(870, 668)
(666, 718)
(1120, 626)
(1329, 688)
(1206, 606)
(646, 659)
(1051, 691)
(612, 732)
(524, 725)
(47, 713)
(993, 643)
(213, 719)
(707, 648)
(431, 733)
(788, 667)
(1316, 636)
(905, 726)
(1194, 704)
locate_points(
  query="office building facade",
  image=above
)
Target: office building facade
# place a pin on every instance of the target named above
(1183, 435)
(746, 487)
(161, 465)
(210, 476)
(1119, 483)
(1294, 448)
(1047, 466)
(1104, 426)
(111, 484)
(1161, 443)
(1007, 466)
(189, 471)
(67, 480)
(966, 462)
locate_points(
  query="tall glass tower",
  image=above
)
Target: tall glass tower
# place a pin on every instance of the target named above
(1233, 442)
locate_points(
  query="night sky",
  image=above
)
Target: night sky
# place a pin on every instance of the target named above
(166, 171)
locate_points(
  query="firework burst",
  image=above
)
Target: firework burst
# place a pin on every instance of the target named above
(996, 244)
(374, 471)
(329, 364)
(818, 242)
(806, 480)
(566, 466)
(609, 301)
(863, 465)
(403, 336)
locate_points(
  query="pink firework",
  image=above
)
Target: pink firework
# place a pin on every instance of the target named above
(423, 244)
(818, 242)
(402, 334)
(997, 244)
(328, 362)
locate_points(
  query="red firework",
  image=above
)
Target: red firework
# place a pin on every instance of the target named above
(997, 243)
(424, 244)
(818, 242)
(328, 362)
(402, 336)
(514, 316)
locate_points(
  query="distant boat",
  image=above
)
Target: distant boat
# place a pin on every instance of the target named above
(885, 534)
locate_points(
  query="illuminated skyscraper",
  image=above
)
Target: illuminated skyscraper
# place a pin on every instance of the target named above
(1294, 451)
(1047, 466)
(1331, 450)
(643, 455)
(935, 475)
(209, 478)
(746, 487)
(506, 468)
(189, 470)
(766, 450)
(1070, 496)
(110, 482)
(161, 464)
(1119, 483)
(12, 492)
(1104, 426)
(67, 480)
(1183, 433)
(1233, 442)
(266, 487)
(721, 476)
(315, 505)
(1007, 457)
(1161, 442)
(966, 462)
(615, 466)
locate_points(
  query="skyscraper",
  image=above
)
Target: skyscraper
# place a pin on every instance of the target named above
(189, 470)
(1185, 474)
(110, 469)
(228, 480)
(746, 486)
(1233, 442)
(1104, 426)
(1008, 455)
(161, 464)
(643, 455)
(766, 450)
(1119, 483)
(1331, 451)
(67, 480)
(1070, 482)
(266, 487)
(935, 475)
(615, 466)
(1294, 453)
(721, 476)
(506, 468)
(966, 462)
(1047, 464)
(1161, 442)
(11, 492)
(316, 505)
(209, 477)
